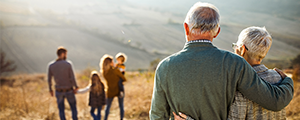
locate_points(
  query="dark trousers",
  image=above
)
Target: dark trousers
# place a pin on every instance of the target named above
(108, 105)
(121, 86)
(60, 97)
(98, 116)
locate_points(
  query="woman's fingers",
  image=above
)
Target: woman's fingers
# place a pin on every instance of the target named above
(176, 117)
(182, 115)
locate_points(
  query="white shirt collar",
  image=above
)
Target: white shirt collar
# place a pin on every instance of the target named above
(193, 41)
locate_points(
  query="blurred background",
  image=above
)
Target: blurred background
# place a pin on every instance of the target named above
(146, 30)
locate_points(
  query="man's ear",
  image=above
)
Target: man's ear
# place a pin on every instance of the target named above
(186, 29)
(218, 32)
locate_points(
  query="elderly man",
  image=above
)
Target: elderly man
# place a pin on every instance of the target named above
(201, 80)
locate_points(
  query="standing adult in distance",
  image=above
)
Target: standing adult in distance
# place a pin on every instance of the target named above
(65, 83)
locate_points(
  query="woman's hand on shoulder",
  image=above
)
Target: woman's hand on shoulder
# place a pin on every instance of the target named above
(280, 72)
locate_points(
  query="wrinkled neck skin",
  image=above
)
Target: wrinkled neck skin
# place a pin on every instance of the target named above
(191, 37)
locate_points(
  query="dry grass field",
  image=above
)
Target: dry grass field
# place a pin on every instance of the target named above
(27, 97)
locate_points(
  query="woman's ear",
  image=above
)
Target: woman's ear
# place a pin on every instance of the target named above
(243, 50)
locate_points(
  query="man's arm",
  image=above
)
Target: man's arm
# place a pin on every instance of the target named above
(272, 97)
(72, 77)
(160, 109)
(49, 81)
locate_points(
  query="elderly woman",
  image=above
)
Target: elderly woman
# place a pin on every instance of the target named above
(253, 45)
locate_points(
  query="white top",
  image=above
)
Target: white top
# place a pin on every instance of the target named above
(122, 70)
(84, 90)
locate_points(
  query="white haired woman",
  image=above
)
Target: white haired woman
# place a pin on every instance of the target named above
(253, 45)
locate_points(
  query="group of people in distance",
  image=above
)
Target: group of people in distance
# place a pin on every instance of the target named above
(202, 82)
(66, 86)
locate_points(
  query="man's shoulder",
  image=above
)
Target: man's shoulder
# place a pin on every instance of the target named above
(230, 58)
(69, 62)
(51, 63)
(230, 54)
(163, 64)
(169, 59)
(65, 62)
(227, 56)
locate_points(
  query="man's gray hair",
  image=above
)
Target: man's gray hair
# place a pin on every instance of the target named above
(257, 40)
(202, 18)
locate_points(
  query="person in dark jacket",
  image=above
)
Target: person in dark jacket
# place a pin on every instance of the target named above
(97, 95)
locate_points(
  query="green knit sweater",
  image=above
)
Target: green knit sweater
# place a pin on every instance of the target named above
(201, 80)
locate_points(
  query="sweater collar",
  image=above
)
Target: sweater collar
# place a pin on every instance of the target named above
(198, 44)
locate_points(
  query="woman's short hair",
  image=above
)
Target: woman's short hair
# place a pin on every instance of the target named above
(257, 40)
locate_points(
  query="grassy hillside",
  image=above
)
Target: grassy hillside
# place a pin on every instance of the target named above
(26, 97)
(144, 30)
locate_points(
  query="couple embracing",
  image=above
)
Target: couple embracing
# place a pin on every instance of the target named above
(202, 82)
(66, 86)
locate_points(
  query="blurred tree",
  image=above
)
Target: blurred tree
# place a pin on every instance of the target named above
(5, 64)
(296, 60)
(296, 70)
(153, 64)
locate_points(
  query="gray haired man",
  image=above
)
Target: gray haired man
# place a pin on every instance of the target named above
(201, 80)
(65, 83)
